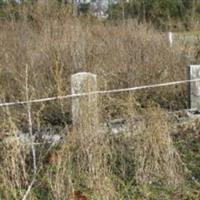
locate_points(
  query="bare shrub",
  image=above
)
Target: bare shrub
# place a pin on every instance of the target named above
(13, 169)
(156, 157)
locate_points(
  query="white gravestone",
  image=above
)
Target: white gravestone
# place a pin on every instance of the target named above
(194, 73)
(170, 38)
(84, 108)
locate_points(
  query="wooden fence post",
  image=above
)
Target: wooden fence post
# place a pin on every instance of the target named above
(85, 108)
(194, 87)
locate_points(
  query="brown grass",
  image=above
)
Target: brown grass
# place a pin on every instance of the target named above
(54, 46)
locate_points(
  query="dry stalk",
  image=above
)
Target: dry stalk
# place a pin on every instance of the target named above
(30, 123)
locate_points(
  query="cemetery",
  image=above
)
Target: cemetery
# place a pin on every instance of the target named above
(99, 109)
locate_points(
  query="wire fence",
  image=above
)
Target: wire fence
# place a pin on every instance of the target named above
(95, 93)
(101, 92)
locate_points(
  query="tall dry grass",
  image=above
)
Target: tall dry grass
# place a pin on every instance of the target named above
(54, 45)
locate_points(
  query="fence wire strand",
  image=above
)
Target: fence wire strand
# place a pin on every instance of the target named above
(102, 92)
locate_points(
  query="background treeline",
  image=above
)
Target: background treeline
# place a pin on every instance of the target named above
(163, 14)
(166, 14)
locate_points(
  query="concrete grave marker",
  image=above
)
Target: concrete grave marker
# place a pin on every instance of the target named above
(84, 108)
(194, 88)
(170, 38)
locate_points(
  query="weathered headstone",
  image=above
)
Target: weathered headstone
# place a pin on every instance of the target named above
(170, 38)
(194, 87)
(84, 108)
